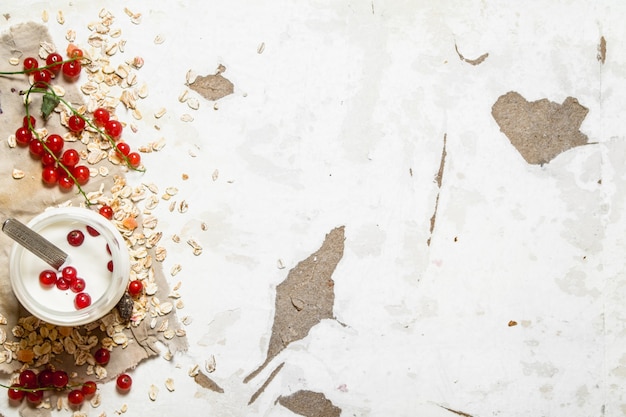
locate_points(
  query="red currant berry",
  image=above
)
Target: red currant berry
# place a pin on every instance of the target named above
(70, 158)
(82, 300)
(29, 121)
(30, 64)
(75, 238)
(110, 266)
(134, 159)
(61, 172)
(55, 143)
(124, 382)
(23, 136)
(60, 379)
(28, 379)
(101, 116)
(42, 78)
(66, 183)
(102, 356)
(113, 128)
(75, 397)
(89, 388)
(45, 378)
(71, 70)
(69, 273)
(78, 285)
(75, 123)
(47, 277)
(63, 284)
(92, 231)
(36, 148)
(54, 62)
(81, 174)
(34, 397)
(135, 287)
(16, 393)
(106, 211)
(123, 148)
(47, 160)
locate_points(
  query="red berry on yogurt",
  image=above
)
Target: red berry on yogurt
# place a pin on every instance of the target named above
(75, 238)
(69, 273)
(82, 300)
(63, 284)
(92, 231)
(78, 285)
(48, 277)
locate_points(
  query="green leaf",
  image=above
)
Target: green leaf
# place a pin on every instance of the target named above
(48, 105)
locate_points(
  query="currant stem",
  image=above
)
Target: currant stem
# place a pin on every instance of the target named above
(41, 388)
(5, 73)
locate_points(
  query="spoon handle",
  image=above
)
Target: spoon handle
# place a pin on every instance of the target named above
(34, 242)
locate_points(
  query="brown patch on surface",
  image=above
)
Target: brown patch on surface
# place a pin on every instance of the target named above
(602, 50)
(476, 61)
(206, 382)
(439, 179)
(310, 404)
(213, 87)
(540, 130)
(266, 383)
(457, 412)
(311, 283)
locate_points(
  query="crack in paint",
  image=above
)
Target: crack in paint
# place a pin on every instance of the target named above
(439, 179)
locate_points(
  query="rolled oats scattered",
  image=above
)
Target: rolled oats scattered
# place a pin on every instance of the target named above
(152, 392)
(176, 268)
(160, 113)
(186, 118)
(96, 400)
(209, 364)
(193, 103)
(169, 384)
(195, 370)
(17, 174)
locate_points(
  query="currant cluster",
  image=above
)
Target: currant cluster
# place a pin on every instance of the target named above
(32, 385)
(68, 278)
(61, 167)
(113, 130)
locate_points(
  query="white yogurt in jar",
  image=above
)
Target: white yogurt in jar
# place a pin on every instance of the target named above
(90, 260)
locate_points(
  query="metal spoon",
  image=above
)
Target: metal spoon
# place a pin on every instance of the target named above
(35, 243)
